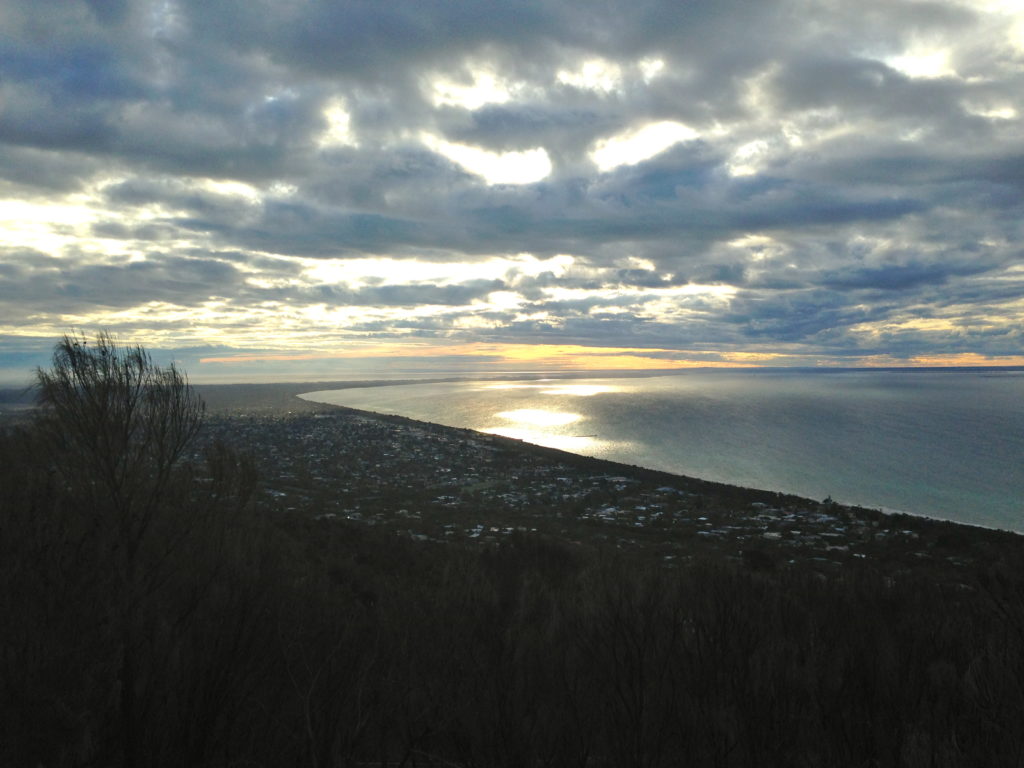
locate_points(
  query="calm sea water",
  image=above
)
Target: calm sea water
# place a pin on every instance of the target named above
(946, 444)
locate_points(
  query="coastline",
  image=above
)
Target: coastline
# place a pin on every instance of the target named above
(749, 440)
(726, 504)
(610, 466)
(285, 399)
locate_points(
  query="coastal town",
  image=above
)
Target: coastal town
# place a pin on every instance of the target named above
(432, 483)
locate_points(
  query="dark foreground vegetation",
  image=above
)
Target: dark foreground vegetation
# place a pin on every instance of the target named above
(154, 613)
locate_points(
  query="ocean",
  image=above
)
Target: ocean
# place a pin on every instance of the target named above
(947, 444)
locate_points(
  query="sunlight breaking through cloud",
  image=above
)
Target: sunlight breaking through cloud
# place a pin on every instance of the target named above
(524, 167)
(635, 146)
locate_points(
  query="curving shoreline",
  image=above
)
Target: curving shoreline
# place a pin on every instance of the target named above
(282, 398)
(938, 446)
(444, 484)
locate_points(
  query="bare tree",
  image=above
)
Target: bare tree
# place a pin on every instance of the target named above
(117, 427)
(118, 418)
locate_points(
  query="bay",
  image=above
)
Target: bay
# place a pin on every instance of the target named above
(947, 444)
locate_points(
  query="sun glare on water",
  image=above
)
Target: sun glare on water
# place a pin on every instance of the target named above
(584, 444)
(539, 418)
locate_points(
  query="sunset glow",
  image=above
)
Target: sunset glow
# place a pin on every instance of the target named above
(416, 187)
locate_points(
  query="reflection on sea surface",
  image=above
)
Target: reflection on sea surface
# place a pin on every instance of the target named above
(540, 418)
(547, 425)
(544, 427)
(585, 444)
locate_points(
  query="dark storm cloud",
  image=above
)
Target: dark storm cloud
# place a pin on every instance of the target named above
(878, 195)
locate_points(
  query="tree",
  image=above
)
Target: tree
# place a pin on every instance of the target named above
(119, 425)
(116, 427)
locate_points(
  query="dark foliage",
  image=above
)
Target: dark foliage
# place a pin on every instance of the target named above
(152, 618)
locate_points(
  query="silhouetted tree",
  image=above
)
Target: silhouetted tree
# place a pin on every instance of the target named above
(118, 423)
(116, 426)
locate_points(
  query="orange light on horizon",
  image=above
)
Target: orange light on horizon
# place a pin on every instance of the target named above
(966, 359)
(950, 360)
(568, 356)
(576, 357)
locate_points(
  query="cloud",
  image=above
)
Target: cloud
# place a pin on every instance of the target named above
(413, 295)
(807, 179)
(37, 282)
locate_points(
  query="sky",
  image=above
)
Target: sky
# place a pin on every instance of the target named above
(314, 189)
